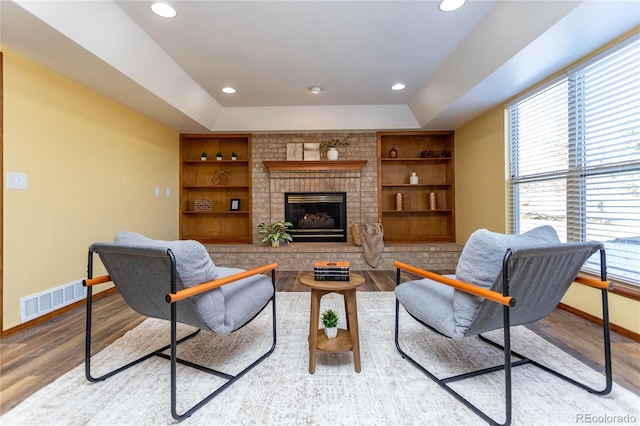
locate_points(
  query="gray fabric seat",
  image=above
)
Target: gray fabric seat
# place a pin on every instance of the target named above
(221, 310)
(177, 281)
(500, 281)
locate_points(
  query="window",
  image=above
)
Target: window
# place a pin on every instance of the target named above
(574, 158)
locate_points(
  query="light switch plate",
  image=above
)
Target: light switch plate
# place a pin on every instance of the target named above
(16, 180)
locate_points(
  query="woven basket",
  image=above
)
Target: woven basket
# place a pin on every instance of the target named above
(203, 205)
(355, 233)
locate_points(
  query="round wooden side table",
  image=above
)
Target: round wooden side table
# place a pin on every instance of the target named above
(347, 339)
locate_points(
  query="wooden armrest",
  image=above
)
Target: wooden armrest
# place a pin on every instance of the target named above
(494, 296)
(97, 280)
(594, 282)
(210, 285)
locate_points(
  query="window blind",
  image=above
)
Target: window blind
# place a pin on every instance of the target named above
(574, 158)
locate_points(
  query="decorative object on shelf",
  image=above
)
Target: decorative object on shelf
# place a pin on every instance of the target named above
(234, 156)
(393, 152)
(426, 154)
(433, 201)
(444, 153)
(220, 178)
(219, 156)
(399, 202)
(330, 321)
(294, 152)
(203, 156)
(235, 205)
(332, 154)
(202, 205)
(332, 145)
(311, 151)
(413, 179)
(275, 232)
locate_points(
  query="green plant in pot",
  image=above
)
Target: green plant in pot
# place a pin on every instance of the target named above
(219, 155)
(330, 321)
(203, 156)
(234, 155)
(274, 232)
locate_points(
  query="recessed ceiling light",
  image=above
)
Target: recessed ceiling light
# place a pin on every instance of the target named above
(228, 90)
(451, 5)
(315, 89)
(164, 10)
(398, 86)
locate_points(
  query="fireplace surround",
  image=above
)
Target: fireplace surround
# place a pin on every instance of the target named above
(316, 216)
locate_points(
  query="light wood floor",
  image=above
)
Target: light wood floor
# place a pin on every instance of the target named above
(36, 357)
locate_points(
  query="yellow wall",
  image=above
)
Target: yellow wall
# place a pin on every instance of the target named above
(481, 202)
(92, 168)
(480, 175)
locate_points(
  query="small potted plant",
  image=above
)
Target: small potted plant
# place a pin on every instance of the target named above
(275, 232)
(203, 156)
(330, 322)
(234, 156)
(219, 156)
(332, 153)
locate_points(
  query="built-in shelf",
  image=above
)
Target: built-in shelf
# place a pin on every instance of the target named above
(327, 165)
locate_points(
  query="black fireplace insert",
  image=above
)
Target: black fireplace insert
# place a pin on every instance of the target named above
(316, 216)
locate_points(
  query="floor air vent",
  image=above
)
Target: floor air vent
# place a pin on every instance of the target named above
(41, 303)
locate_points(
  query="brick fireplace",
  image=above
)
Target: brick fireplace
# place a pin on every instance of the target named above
(361, 188)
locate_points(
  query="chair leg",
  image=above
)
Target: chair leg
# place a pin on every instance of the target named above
(443, 382)
(508, 364)
(87, 357)
(230, 379)
(607, 356)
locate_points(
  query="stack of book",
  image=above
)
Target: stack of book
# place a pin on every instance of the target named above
(331, 271)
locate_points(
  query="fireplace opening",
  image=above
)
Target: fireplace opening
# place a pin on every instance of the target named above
(316, 216)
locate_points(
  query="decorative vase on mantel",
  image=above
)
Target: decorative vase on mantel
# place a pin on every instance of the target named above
(332, 154)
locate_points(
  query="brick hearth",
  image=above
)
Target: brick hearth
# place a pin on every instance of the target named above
(442, 258)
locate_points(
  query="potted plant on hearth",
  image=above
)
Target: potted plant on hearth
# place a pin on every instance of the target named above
(219, 156)
(275, 232)
(332, 153)
(330, 321)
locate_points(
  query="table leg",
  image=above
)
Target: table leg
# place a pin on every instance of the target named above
(313, 329)
(346, 308)
(352, 320)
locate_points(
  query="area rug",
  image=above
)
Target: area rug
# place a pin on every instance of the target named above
(280, 391)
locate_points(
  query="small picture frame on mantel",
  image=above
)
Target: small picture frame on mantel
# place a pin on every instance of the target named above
(294, 152)
(234, 205)
(311, 151)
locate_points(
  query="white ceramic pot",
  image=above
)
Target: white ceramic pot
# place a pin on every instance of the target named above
(275, 243)
(203, 158)
(332, 154)
(331, 332)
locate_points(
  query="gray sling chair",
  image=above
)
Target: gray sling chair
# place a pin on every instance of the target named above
(501, 281)
(177, 281)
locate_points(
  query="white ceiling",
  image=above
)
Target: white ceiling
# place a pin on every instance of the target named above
(455, 65)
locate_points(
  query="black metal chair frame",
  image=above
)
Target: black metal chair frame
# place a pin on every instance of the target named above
(601, 284)
(231, 379)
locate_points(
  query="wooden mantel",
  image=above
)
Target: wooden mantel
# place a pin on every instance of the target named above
(327, 165)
